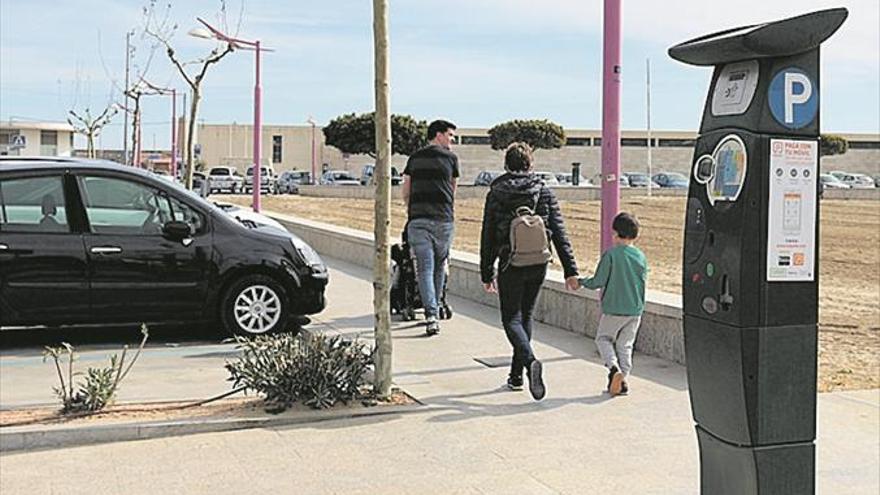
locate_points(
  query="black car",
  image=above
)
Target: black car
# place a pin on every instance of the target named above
(90, 242)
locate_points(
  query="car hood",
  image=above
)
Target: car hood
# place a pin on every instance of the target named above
(244, 215)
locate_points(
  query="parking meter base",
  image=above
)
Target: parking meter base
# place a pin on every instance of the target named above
(729, 469)
(754, 385)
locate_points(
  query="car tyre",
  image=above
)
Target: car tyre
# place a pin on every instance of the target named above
(254, 305)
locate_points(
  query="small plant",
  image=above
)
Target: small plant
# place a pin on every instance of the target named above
(100, 384)
(316, 370)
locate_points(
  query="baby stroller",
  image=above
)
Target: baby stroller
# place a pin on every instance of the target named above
(405, 298)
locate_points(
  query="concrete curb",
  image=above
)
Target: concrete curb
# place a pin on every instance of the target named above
(29, 438)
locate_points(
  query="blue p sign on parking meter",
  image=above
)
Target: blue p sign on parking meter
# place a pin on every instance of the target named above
(792, 98)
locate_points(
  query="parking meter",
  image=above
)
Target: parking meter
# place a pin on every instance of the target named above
(576, 173)
(750, 267)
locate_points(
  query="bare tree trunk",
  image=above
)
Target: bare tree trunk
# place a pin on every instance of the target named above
(90, 144)
(382, 261)
(190, 136)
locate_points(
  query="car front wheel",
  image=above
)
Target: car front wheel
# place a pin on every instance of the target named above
(254, 305)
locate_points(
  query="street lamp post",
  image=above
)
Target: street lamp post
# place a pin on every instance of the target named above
(312, 122)
(213, 33)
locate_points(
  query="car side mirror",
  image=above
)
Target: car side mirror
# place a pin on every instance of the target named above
(176, 230)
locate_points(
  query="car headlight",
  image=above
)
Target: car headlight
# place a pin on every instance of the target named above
(309, 255)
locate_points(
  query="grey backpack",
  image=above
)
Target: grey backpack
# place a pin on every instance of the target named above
(529, 244)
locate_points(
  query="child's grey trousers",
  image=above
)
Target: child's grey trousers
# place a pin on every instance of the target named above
(615, 338)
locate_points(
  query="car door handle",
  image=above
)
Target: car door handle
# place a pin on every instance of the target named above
(106, 250)
(3, 247)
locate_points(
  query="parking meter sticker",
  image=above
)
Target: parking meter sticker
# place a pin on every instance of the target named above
(793, 98)
(791, 218)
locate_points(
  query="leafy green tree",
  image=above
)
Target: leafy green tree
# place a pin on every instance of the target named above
(539, 134)
(356, 134)
(832, 144)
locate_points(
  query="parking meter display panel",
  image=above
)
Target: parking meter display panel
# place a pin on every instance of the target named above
(722, 248)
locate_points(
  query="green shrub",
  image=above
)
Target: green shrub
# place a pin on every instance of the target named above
(315, 370)
(100, 384)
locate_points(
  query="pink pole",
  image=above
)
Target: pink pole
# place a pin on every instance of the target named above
(258, 131)
(610, 120)
(314, 153)
(174, 134)
(137, 149)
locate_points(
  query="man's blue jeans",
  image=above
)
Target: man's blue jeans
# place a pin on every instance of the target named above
(429, 241)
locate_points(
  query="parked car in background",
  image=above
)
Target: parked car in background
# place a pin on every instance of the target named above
(485, 177)
(200, 184)
(549, 178)
(672, 180)
(567, 179)
(838, 173)
(637, 179)
(225, 179)
(268, 180)
(858, 181)
(289, 182)
(339, 178)
(828, 181)
(97, 243)
(876, 180)
(367, 175)
(622, 181)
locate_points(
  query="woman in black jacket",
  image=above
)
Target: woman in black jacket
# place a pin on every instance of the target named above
(518, 286)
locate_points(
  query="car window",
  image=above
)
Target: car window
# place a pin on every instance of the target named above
(33, 204)
(219, 171)
(118, 206)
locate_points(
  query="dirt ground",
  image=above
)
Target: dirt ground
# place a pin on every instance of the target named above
(849, 289)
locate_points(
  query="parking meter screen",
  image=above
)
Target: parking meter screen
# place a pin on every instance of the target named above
(730, 170)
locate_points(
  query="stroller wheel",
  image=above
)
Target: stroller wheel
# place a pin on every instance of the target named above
(445, 312)
(410, 314)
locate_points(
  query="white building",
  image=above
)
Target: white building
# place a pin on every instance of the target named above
(26, 138)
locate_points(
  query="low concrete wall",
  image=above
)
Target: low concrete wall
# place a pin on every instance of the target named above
(565, 193)
(870, 194)
(660, 334)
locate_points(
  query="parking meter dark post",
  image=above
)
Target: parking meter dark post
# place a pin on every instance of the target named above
(750, 265)
(576, 173)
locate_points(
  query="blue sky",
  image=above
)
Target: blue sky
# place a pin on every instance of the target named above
(475, 62)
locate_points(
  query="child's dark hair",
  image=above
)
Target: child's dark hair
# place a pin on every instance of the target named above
(626, 226)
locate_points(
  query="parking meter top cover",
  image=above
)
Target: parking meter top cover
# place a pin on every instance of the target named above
(773, 39)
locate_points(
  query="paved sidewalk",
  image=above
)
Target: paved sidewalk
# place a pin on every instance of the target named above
(475, 437)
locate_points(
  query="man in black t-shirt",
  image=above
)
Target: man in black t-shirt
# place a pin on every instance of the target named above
(429, 181)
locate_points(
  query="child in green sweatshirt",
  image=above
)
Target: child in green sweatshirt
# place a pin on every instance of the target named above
(621, 276)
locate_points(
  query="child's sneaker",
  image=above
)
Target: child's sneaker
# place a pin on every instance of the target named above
(515, 383)
(615, 379)
(536, 380)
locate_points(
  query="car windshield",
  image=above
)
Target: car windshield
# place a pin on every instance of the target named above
(343, 176)
(263, 171)
(219, 171)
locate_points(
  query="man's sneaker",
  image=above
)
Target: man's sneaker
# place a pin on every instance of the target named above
(536, 380)
(615, 380)
(624, 388)
(433, 327)
(515, 383)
